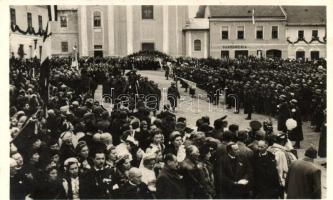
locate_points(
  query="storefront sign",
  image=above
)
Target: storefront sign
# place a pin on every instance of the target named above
(234, 47)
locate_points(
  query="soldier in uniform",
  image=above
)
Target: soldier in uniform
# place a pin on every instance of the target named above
(99, 182)
(173, 94)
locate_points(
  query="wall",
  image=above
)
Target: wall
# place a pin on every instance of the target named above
(250, 42)
(292, 33)
(68, 34)
(15, 38)
(97, 36)
(193, 35)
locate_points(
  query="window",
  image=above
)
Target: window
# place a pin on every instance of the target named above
(301, 34)
(197, 45)
(259, 32)
(63, 21)
(300, 55)
(40, 22)
(314, 33)
(259, 53)
(147, 12)
(275, 32)
(97, 19)
(314, 55)
(64, 46)
(29, 17)
(241, 53)
(240, 32)
(12, 16)
(225, 33)
(148, 46)
(225, 54)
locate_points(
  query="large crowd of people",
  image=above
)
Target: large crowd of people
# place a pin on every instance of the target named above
(262, 84)
(71, 147)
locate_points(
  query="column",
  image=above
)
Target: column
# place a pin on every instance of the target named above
(190, 43)
(111, 30)
(205, 46)
(129, 23)
(177, 32)
(83, 31)
(165, 29)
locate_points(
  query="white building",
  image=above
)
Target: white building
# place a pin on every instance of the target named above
(306, 31)
(25, 25)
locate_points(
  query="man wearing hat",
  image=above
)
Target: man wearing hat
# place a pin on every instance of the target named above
(304, 178)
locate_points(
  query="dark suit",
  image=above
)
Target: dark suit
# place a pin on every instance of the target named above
(265, 176)
(230, 171)
(170, 185)
(303, 181)
(140, 191)
(97, 184)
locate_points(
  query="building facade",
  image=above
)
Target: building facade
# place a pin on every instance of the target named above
(306, 32)
(65, 31)
(264, 31)
(217, 31)
(26, 22)
(113, 30)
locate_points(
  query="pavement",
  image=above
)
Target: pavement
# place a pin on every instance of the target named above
(194, 108)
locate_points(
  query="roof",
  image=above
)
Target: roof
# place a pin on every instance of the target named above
(296, 15)
(305, 15)
(245, 11)
(196, 24)
(200, 12)
(67, 7)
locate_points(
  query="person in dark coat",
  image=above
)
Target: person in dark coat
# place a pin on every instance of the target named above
(322, 150)
(283, 114)
(51, 187)
(18, 182)
(235, 175)
(135, 188)
(194, 175)
(304, 178)
(265, 175)
(297, 133)
(248, 103)
(167, 72)
(173, 94)
(170, 184)
(98, 183)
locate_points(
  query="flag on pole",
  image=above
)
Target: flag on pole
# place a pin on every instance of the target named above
(45, 59)
(52, 10)
(253, 22)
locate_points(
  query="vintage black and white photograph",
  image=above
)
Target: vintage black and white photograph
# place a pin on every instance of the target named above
(167, 101)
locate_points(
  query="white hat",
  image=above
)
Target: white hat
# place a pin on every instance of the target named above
(70, 160)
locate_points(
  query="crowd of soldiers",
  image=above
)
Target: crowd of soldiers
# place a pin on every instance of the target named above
(77, 149)
(281, 88)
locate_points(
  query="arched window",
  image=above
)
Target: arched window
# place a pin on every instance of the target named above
(197, 45)
(97, 19)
